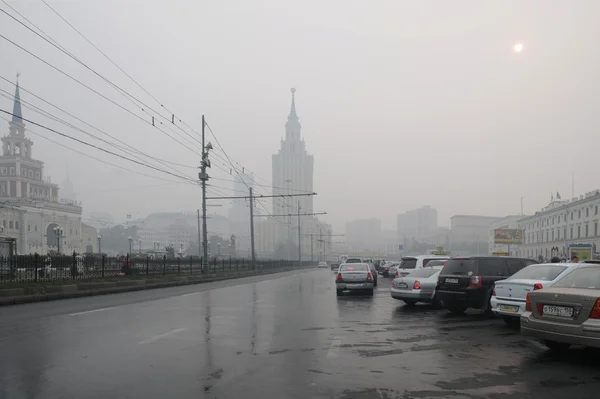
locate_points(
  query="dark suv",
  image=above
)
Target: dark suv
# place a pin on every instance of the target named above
(468, 282)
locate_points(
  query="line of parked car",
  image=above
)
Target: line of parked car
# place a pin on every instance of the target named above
(558, 303)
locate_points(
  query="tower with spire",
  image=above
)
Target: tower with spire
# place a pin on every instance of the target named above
(35, 208)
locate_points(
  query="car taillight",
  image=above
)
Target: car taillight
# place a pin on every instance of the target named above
(528, 303)
(596, 310)
(369, 276)
(417, 285)
(445, 263)
(537, 286)
(494, 293)
(339, 277)
(475, 281)
(397, 275)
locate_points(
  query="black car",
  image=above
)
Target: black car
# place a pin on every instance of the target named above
(468, 282)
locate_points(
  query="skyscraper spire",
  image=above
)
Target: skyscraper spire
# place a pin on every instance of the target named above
(17, 113)
(292, 127)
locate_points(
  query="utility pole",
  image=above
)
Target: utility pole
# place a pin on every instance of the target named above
(299, 239)
(252, 228)
(199, 237)
(321, 243)
(203, 178)
(311, 248)
(289, 219)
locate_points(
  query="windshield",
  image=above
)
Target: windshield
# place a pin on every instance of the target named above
(408, 263)
(355, 267)
(542, 273)
(424, 273)
(459, 266)
(588, 277)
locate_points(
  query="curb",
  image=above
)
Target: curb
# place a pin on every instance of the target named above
(127, 286)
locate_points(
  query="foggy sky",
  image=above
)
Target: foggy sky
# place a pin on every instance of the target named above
(402, 103)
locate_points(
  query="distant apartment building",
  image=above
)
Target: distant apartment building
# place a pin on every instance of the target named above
(469, 233)
(416, 224)
(364, 234)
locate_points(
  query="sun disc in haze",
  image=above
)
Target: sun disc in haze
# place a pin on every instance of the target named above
(518, 47)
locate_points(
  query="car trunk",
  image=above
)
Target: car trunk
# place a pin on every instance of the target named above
(514, 290)
(564, 305)
(354, 275)
(456, 275)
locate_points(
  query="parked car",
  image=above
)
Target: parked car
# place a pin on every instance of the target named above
(354, 277)
(391, 268)
(322, 264)
(385, 269)
(469, 282)
(374, 273)
(354, 260)
(436, 263)
(567, 313)
(508, 297)
(409, 263)
(418, 286)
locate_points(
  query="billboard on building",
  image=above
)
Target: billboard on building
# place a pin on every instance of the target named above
(582, 251)
(508, 236)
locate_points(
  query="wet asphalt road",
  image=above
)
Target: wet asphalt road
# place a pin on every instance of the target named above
(277, 336)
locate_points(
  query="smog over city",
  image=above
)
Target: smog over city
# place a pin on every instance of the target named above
(299, 199)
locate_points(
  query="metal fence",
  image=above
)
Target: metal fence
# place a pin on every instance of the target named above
(40, 268)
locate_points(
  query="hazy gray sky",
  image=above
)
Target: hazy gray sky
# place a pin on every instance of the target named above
(402, 103)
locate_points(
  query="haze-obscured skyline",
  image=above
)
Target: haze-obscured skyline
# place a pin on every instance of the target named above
(403, 104)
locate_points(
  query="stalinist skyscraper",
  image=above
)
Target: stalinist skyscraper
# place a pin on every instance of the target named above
(292, 168)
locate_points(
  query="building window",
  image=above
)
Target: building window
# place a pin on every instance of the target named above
(586, 230)
(31, 174)
(35, 227)
(571, 215)
(28, 227)
(579, 214)
(552, 234)
(587, 212)
(565, 217)
(596, 228)
(10, 225)
(12, 171)
(565, 233)
(578, 231)
(596, 209)
(70, 231)
(16, 225)
(571, 233)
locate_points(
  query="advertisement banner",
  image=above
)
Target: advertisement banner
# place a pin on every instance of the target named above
(582, 251)
(508, 236)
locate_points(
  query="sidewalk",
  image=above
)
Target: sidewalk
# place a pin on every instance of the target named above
(50, 292)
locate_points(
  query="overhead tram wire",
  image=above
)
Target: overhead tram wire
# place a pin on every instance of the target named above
(122, 91)
(95, 91)
(49, 115)
(99, 148)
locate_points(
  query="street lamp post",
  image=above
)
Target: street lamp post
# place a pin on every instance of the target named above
(58, 232)
(99, 244)
(130, 239)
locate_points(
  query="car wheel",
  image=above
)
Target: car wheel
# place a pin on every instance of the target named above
(339, 292)
(409, 302)
(457, 311)
(556, 346)
(512, 321)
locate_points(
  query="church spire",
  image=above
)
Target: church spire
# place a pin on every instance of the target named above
(17, 113)
(292, 127)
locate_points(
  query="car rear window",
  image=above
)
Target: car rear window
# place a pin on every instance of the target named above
(588, 277)
(459, 266)
(409, 263)
(354, 260)
(544, 273)
(424, 273)
(433, 263)
(354, 267)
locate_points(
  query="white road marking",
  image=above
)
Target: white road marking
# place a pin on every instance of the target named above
(92, 311)
(334, 349)
(156, 338)
(190, 294)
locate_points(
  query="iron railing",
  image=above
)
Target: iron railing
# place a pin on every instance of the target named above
(40, 268)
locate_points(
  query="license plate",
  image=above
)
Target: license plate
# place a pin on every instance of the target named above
(401, 285)
(354, 285)
(560, 311)
(508, 308)
(452, 280)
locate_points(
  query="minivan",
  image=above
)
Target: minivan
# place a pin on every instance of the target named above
(409, 263)
(468, 282)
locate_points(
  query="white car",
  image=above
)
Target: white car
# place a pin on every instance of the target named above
(409, 263)
(508, 297)
(322, 264)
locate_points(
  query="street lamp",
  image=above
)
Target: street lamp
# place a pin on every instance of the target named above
(130, 239)
(99, 243)
(58, 232)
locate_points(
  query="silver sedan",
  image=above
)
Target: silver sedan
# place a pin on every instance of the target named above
(354, 277)
(418, 286)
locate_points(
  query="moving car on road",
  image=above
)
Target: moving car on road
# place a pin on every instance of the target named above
(567, 313)
(354, 277)
(508, 297)
(409, 263)
(335, 266)
(354, 260)
(418, 286)
(469, 282)
(323, 264)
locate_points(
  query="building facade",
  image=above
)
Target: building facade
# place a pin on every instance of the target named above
(561, 224)
(416, 224)
(469, 234)
(33, 212)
